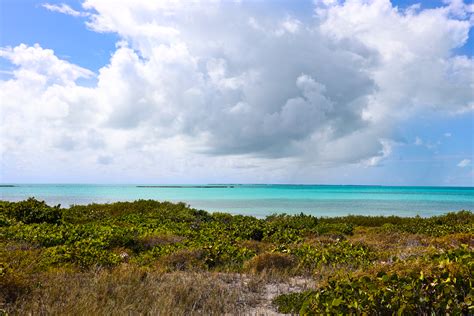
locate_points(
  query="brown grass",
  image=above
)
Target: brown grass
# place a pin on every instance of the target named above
(133, 291)
(148, 242)
(257, 246)
(266, 262)
(388, 245)
(453, 240)
(182, 260)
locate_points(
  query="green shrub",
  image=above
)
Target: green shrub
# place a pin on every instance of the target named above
(32, 211)
(292, 303)
(5, 220)
(311, 257)
(445, 289)
(225, 255)
(299, 222)
(85, 253)
(454, 222)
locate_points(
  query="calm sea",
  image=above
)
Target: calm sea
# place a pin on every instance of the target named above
(261, 200)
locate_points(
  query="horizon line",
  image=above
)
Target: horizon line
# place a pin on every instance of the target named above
(141, 184)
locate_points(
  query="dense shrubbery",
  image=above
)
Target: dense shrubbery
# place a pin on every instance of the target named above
(438, 225)
(333, 254)
(445, 288)
(434, 226)
(31, 211)
(37, 238)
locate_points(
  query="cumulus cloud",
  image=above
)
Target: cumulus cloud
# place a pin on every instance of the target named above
(412, 74)
(193, 82)
(35, 63)
(383, 153)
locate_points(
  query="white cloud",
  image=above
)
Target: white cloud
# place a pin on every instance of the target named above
(37, 64)
(411, 74)
(464, 163)
(64, 9)
(289, 25)
(200, 83)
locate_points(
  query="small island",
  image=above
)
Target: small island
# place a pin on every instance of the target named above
(149, 257)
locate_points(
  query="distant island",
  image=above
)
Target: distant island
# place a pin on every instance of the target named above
(188, 186)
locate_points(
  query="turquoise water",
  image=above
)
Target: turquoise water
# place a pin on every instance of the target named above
(261, 200)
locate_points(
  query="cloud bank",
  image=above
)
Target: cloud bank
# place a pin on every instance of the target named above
(194, 84)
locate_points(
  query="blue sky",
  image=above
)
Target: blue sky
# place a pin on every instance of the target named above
(26, 21)
(415, 135)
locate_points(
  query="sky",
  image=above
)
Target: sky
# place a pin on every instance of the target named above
(249, 91)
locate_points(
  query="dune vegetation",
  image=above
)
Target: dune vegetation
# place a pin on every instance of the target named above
(149, 257)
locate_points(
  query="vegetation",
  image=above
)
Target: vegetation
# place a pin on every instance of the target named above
(159, 257)
(446, 288)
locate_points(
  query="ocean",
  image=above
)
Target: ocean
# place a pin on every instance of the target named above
(263, 199)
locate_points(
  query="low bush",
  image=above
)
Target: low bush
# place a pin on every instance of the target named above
(454, 222)
(32, 211)
(338, 253)
(446, 288)
(271, 262)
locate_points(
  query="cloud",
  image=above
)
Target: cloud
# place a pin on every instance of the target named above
(418, 141)
(383, 153)
(234, 105)
(37, 64)
(464, 163)
(411, 74)
(105, 159)
(64, 9)
(202, 83)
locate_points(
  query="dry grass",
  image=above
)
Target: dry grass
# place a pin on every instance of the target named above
(271, 262)
(257, 246)
(150, 241)
(453, 240)
(133, 291)
(389, 245)
(182, 260)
